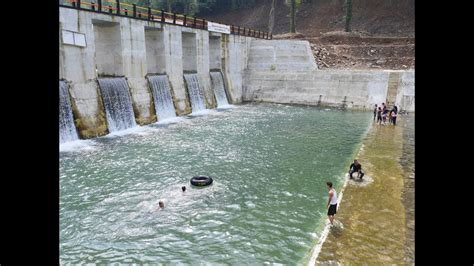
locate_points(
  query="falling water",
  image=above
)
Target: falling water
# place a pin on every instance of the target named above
(118, 105)
(162, 97)
(219, 90)
(67, 129)
(195, 92)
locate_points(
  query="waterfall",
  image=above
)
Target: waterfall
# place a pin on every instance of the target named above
(67, 129)
(219, 90)
(195, 92)
(118, 105)
(162, 97)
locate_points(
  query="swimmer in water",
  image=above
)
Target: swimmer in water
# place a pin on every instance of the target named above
(161, 205)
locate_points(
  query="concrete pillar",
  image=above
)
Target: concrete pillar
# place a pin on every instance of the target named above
(135, 69)
(203, 69)
(174, 68)
(235, 52)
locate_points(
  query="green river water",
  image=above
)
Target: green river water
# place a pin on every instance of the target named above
(269, 163)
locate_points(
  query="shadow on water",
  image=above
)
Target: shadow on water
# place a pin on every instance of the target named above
(337, 229)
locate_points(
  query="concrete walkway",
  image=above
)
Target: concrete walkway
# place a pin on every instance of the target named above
(377, 214)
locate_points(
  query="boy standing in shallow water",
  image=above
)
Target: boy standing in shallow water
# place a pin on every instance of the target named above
(375, 111)
(332, 202)
(379, 116)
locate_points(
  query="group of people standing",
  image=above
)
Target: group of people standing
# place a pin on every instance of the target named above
(381, 113)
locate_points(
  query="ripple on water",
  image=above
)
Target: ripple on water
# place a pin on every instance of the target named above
(266, 203)
(356, 182)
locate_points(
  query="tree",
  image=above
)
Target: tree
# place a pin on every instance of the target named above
(293, 4)
(292, 16)
(348, 15)
(271, 20)
(169, 4)
(191, 7)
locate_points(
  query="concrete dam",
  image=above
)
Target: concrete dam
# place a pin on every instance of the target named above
(117, 72)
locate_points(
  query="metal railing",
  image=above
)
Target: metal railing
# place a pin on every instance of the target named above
(118, 8)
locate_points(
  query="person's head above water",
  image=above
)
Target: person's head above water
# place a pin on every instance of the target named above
(355, 161)
(329, 184)
(161, 204)
(183, 188)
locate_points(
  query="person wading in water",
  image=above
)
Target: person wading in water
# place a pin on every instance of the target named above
(332, 202)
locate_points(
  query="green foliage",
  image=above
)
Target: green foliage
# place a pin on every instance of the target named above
(194, 7)
(288, 3)
(294, 5)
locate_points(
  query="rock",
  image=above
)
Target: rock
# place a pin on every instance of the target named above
(380, 61)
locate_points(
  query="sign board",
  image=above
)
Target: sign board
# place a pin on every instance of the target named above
(80, 39)
(216, 27)
(68, 37)
(74, 38)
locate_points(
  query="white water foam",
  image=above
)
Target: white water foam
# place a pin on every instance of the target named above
(203, 112)
(172, 120)
(227, 106)
(77, 145)
(137, 130)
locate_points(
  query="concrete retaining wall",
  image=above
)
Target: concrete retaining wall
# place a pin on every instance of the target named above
(285, 72)
(281, 55)
(353, 89)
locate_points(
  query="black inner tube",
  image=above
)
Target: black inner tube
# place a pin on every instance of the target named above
(201, 181)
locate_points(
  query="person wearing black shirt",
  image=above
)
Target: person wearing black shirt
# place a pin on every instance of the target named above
(356, 167)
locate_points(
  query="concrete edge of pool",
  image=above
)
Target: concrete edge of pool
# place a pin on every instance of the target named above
(317, 248)
(386, 238)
